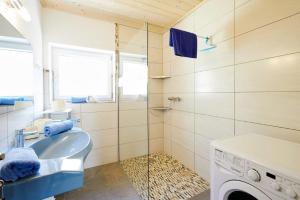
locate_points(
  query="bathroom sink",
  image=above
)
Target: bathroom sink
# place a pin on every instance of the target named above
(71, 144)
(62, 158)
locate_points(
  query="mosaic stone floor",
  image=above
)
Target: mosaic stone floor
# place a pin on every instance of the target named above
(168, 178)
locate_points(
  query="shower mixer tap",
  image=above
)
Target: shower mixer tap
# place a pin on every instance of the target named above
(174, 99)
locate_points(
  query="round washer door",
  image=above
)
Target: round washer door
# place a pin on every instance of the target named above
(236, 190)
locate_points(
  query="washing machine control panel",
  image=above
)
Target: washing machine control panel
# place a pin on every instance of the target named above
(274, 182)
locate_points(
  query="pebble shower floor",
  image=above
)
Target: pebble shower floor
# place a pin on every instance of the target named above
(168, 178)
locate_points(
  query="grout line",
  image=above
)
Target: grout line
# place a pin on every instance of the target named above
(234, 70)
(239, 92)
(238, 120)
(273, 22)
(267, 58)
(236, 63)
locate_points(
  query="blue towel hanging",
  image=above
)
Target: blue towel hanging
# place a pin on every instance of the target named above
(184, 43)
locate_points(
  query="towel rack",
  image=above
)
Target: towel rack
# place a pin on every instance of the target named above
(208, 43)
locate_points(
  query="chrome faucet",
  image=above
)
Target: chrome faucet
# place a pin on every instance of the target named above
(2, 156)
(19, 140)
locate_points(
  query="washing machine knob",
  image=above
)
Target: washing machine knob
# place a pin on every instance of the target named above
(291, 193)
(275, 186)
(253, 175)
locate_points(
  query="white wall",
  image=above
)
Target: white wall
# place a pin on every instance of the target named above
(100, 119)
(11, 120)
(248, 84)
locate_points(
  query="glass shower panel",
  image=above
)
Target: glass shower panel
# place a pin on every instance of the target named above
(133, 104)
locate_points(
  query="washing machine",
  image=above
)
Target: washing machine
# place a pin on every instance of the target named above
(255, 167)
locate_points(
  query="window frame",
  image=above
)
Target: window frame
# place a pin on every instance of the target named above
(137, 58)
(19, 45)
(80, 51)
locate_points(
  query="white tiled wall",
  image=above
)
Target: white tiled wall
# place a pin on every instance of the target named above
(12, 120)
(248, 84)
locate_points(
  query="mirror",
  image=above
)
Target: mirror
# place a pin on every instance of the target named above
(16, 68)
(16, 84)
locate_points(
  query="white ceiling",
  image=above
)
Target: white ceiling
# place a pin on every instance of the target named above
(163, 13)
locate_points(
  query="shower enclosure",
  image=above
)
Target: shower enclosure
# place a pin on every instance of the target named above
(132, 96)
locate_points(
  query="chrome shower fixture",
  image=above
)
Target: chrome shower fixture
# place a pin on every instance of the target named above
(174, 99)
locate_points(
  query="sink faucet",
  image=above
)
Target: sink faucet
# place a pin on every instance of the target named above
(2, 156)
(19, 142)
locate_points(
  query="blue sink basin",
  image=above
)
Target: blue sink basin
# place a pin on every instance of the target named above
(62, 158)
(72, 144)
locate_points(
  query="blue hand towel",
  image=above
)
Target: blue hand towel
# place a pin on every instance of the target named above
(79, 99)
(184, 43)
(10, 100)
(57, 127)
(19, 163)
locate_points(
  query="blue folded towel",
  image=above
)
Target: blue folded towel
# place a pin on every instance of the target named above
(19, 163)
(184, 43)
(57, 127)
(10, 100)
(79, 99)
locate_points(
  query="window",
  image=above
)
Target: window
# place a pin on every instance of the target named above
(81, 72)
(16, 67)
(134, 76)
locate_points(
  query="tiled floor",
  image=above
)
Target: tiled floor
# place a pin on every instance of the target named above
(107, 182)
(168, 178)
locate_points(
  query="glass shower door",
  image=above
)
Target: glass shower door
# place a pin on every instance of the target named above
(133, 106)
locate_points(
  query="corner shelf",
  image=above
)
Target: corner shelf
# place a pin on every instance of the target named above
(160, 77)
(161, 108)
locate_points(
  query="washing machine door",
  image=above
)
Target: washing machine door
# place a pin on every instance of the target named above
(238, 190)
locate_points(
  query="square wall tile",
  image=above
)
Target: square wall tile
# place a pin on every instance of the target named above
(202, 167)
(132, 117)
(257, 13)
(102, 156)
(269, 41)
(179, 84)
(275, 74)
(104, 138)
(218, 80)
(271, 131)
(183, 137)
(99, 120)
(182, 65)
(215, 104)
(202, 146)
(272, 108)
(131, 150)
(183, 155)
(133, 134)
(214, 127)
(156, 145)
